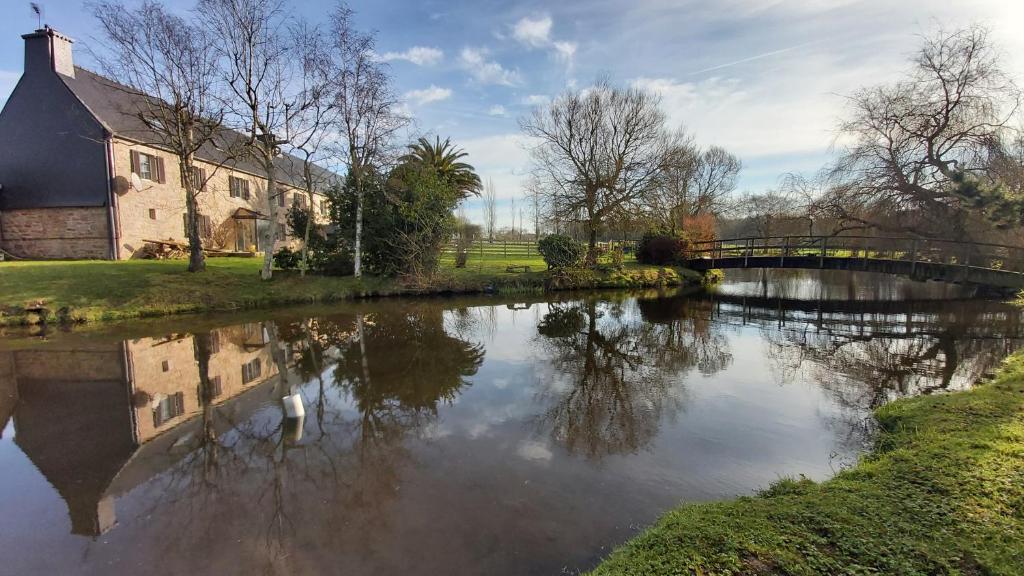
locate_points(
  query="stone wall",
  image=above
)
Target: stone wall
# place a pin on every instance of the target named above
(156, 211)
(55, 232)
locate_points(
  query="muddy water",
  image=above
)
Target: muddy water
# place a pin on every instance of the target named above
(454, 436)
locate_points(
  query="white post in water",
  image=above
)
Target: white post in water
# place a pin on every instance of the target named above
(295, 417)
(293, 407)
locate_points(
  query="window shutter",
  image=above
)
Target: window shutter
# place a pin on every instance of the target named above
(202, 179)
(245, 189)
(206, 228)
(159, 163)
(134, 156)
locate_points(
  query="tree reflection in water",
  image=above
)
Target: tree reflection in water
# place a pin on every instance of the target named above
(617, 371)
(372, 380)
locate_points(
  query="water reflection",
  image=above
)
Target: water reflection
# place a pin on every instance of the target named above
(451, 436)
(616, 375)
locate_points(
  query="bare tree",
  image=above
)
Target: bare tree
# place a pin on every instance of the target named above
(490, 209)
(769, 213)
(673, 198)
(714, 177)
(368, 116)
(599, 149)
(259, 66)
(309, 125)
(163, 60)
(919, 152)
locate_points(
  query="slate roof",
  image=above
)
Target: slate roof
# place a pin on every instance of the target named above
(114, 106)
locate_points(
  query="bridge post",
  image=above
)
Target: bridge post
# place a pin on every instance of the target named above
(746, 251)
(785, 252)
(824, 249)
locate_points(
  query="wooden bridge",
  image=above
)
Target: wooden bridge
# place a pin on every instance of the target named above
(992, 265)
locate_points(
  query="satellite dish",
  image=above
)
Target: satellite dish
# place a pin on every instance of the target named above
(136, 181)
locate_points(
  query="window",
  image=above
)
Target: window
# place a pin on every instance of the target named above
(198, 178)
(213, 390)
(299, 200)
(280, 230)
(213, 342)
(251, 370)
(147, 166)
(281, 194)
(152, 213)
(170, 407)
(205, 225)
(238, 188)
(165, 365)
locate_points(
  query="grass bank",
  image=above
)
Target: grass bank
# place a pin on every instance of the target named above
(941, 493)
(90, 291)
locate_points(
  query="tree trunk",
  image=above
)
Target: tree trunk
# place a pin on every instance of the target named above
(592, 246)
(358, 246)
(309, 221)
(270, 235)
(196, 259)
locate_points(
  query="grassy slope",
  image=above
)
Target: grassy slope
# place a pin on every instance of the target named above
(942, 493)
(104, 290)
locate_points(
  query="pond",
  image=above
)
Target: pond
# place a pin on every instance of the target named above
(478, 435)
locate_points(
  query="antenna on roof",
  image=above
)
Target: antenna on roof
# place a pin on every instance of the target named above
(38, 11)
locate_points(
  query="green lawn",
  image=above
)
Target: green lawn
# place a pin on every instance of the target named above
(93, 290)
(105, 290)
(942, 493)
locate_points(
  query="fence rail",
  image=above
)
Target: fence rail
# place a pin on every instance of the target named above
(514, 248)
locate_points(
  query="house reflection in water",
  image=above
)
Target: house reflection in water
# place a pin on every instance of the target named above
(99, 419)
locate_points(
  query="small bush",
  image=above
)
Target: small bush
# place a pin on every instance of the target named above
(287, 259)
(661, 248)
(335, 264)
(700, 228)
(560, 251)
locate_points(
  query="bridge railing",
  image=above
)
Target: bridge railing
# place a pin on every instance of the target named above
(948, 252)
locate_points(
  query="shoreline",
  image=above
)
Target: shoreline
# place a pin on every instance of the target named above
(153, 289)
(941, 491)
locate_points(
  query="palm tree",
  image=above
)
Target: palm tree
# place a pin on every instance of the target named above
(444, 158)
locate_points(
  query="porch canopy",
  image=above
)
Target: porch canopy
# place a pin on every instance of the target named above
(246, 214)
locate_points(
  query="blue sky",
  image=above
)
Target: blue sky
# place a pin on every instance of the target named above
(763, 78)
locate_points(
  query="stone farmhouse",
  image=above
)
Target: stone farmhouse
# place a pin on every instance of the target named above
(79, 178)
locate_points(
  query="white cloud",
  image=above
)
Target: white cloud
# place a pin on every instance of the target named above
(418, 55)
(535, 100)
(565, 51)
(503, 158)
(428, 95)
(534, 32)
(792, 108)
(487, 71)
(534, 451)
(496, 110)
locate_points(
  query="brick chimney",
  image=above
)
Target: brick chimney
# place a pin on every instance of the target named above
(48, 50)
